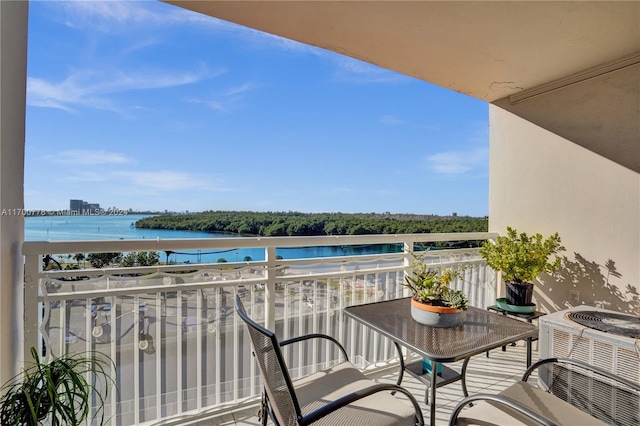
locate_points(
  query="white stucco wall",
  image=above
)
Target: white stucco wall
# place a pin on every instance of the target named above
(13, 73)
(540, 182)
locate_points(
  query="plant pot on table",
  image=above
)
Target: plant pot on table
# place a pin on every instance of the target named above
(436, 316)
(519, 294)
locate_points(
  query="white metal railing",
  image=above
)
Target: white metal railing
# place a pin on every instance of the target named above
(179, 349)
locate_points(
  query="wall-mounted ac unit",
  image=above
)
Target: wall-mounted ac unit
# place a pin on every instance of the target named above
(563, 335)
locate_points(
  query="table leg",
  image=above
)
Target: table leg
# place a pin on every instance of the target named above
(432, 406)
(529, 340)
(463, 376)
(504, 348)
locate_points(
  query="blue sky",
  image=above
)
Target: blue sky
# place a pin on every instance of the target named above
(148, 106)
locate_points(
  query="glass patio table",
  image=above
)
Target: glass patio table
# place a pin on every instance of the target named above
(481, 331)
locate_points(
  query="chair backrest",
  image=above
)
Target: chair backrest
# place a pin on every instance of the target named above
(275, 376)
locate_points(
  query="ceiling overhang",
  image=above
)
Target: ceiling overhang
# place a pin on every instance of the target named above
(491, 50)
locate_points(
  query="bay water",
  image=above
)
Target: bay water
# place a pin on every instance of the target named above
(122, 227)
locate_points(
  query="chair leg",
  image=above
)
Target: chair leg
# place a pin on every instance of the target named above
(263, 413)
(266, 412)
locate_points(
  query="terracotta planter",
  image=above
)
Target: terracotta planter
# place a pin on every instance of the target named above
(436, 316)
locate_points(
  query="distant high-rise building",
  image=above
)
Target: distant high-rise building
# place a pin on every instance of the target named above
(83, 207)
(75, 206)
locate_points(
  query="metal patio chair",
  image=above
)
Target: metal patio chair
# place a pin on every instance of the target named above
(571, 393)
(339, 395)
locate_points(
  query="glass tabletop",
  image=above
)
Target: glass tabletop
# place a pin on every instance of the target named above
(481, 331)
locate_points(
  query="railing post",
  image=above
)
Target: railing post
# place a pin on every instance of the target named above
(31, 305)
(498, 290)
(408, 248)
(270, 289)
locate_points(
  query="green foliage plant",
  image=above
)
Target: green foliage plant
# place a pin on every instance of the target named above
(101, 260)
(522, 258)
(142, 258)
(432, 287)
(59, 392)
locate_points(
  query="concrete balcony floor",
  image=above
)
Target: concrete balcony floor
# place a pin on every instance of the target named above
(484, 375)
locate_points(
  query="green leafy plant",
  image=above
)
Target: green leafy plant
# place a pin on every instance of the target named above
(521, 257)
(59, 392)
(432, 287)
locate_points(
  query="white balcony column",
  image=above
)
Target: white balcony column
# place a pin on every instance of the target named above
(407, 249)
(270, 289)
(13, 82)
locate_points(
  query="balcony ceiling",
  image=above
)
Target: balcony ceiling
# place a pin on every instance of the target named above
(487, 50)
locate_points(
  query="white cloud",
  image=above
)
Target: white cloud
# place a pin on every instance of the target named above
(91, 88)
(240, 89)
(83, 177)
(164, 180)
(108, 16)
(146, 182)
(82, 157)
(64, 95)
(151, 19)
(272, 41)
(352, 70)
(112, 16)
(217, 105)
(453, 163)
(227, 100)
(391, 119)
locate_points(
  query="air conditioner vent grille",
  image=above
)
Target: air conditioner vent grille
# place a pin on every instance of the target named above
(603, 354)
(609, 322)
(627, 364)
(563, 337)
(602, 398)
(561, 344)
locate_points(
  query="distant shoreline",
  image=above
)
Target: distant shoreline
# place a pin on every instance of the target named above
(282, 224)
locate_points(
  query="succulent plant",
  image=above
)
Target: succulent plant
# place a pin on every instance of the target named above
(432, 286)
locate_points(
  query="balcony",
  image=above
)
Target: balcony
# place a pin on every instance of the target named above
(484, 375)
(181, 354)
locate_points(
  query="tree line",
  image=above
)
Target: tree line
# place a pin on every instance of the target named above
(102, 260)
(282, 224)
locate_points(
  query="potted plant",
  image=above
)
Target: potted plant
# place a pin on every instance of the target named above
(59, 392)
(433, 302)
(521, 258)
